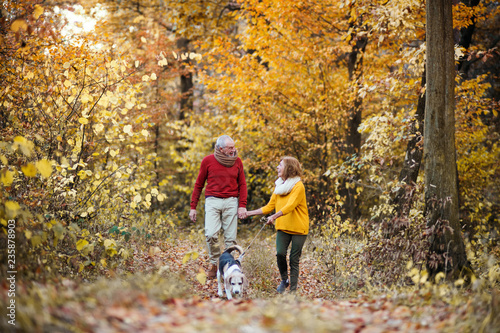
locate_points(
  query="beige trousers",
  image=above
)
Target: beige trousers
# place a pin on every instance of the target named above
(220, 214)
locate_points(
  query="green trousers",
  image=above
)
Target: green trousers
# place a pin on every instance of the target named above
(283, 241)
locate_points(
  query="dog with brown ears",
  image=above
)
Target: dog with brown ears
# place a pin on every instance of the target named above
(229, 275)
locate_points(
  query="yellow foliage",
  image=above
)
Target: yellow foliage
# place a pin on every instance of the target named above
(201, 277)
(37, 12)
(25, 145)
(81, 244)
(279, 85)
(44, 167)
(190, 256)
(7, 177)
(29, 170)
(83, 121)
(11, 209)
(27, 233)
(110, 247)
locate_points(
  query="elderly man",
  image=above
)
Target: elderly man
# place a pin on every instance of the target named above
(225, 197)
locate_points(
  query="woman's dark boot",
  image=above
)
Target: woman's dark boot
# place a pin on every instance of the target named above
(282, 287)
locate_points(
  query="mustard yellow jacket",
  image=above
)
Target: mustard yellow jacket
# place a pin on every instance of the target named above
(295, 219)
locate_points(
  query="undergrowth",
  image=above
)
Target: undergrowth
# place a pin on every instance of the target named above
(332, 268)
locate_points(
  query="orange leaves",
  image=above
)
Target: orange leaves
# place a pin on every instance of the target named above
(19, 25)
(37, 12)
(464, 16)
(23, 23)
(283, 79)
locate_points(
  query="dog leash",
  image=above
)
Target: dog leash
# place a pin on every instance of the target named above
(263, 219)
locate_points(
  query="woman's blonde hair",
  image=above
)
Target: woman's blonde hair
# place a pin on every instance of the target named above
(291, 167)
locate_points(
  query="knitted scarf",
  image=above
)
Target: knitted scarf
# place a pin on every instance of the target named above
(285, 187)
(227, 161)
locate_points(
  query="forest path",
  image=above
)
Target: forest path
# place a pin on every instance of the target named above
(142, 302)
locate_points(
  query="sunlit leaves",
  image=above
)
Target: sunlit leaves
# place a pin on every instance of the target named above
(137, 198)
(127, 129)
(81, 244)
(23, 144)
(83, 121)
(99, 128)
(51, 99)
(280, 87)
(18, 25)
(163, 60)
(7, 177)
(37, 12)
(201, 277)
(11, 208)
(110, 247)
(44, 167)
(29, 170)
(190, 256)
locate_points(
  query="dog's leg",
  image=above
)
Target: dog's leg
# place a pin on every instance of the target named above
(219, 282)
(228, 294)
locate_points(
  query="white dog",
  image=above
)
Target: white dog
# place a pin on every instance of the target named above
(229, 272)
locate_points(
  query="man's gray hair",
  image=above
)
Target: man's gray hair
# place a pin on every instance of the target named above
(222, 141)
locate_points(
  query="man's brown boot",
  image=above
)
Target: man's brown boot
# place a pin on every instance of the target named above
(212, 272)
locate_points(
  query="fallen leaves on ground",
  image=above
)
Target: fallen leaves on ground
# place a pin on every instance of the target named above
(145, 302)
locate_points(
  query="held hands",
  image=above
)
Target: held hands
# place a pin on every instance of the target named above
(249, 213)
(242, 213)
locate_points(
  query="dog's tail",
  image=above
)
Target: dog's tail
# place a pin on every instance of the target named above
(234, 247)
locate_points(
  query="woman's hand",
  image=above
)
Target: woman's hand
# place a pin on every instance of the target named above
(272, 218)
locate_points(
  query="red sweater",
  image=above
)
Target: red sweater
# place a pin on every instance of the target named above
(222, 182)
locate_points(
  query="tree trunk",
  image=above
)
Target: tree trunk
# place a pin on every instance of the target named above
(186, 103)
(353, 139)
(413, 157)
(447, 250)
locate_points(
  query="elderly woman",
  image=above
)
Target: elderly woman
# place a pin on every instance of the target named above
(292, 219)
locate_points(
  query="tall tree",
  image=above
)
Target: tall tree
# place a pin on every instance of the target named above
(441, 191)
(353, 137)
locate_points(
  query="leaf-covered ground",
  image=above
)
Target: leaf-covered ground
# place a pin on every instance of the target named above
(161, 293)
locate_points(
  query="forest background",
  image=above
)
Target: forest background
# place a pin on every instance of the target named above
(108, 107)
